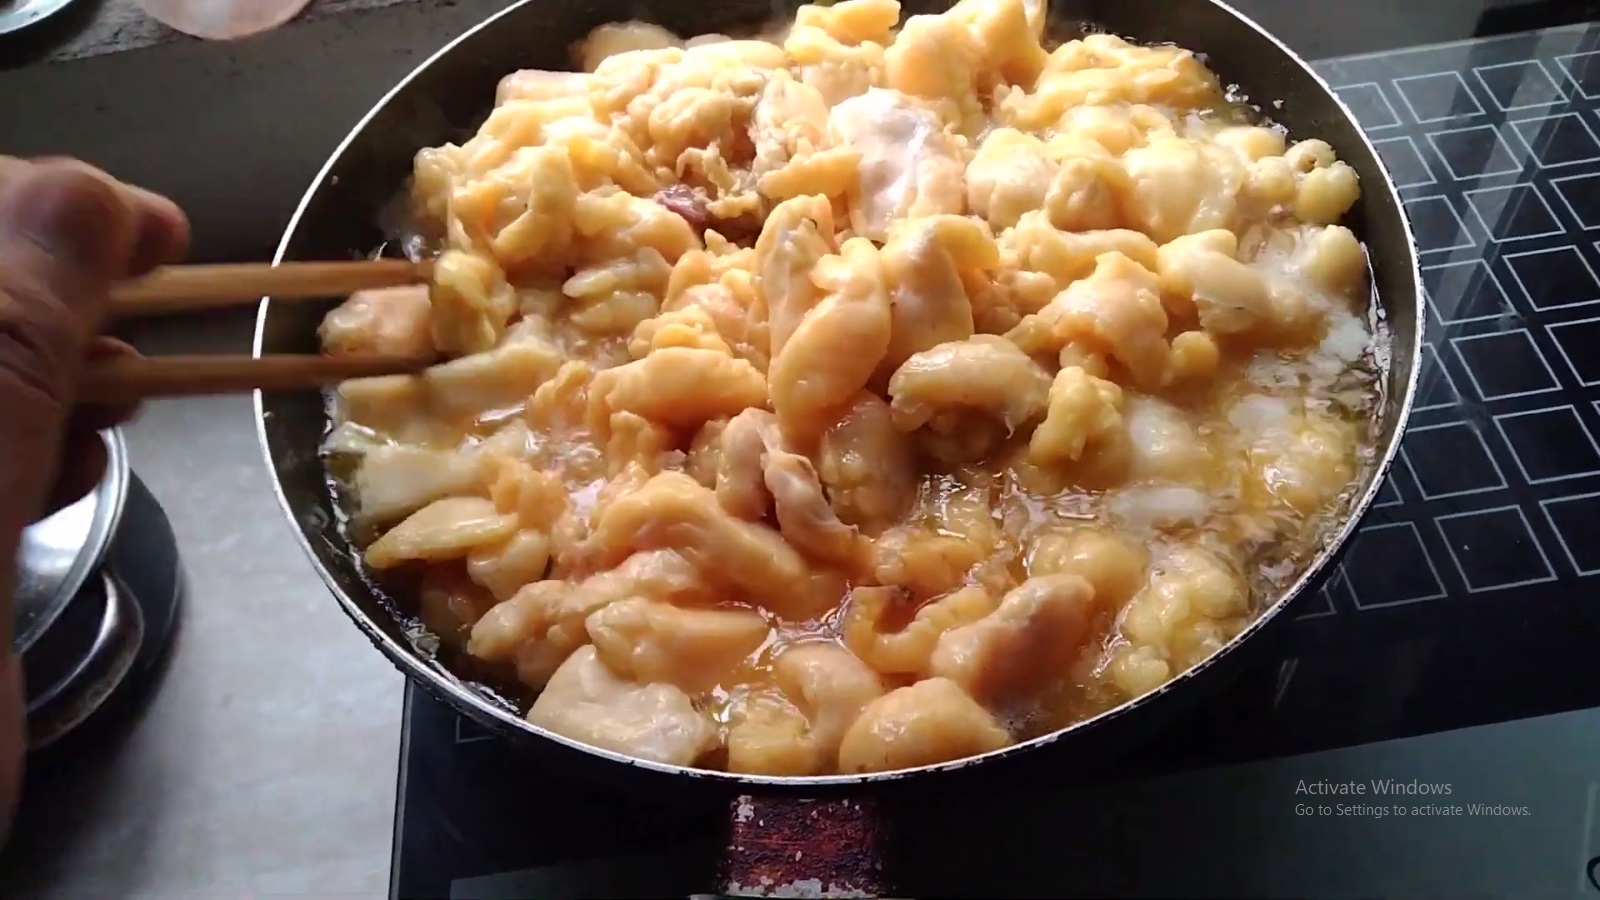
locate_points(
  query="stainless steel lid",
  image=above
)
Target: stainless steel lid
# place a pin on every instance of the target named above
(60, 553)
(16, 15)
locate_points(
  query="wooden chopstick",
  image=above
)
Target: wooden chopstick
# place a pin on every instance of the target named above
(176, 289)
(123, 380)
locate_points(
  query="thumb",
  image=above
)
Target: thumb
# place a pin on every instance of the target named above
(65, 234)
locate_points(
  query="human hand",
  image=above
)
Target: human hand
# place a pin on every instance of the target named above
(67, 233)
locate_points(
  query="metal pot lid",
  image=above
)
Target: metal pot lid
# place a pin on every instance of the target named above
(60, 553)
(16, 15)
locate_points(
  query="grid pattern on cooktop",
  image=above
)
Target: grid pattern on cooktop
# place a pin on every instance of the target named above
(1495, 146)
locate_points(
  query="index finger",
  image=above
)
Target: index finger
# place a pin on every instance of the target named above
(162, 229)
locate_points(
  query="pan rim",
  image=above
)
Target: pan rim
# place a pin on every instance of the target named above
(474, 704)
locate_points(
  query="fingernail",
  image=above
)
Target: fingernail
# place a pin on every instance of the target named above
(70, 214)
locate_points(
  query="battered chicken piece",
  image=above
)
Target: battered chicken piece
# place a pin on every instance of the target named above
(394, 481)
(470, 303)
(908, 650)
(924, 562)
(1010, 175)
(498, 380)
(791, 119)
(984, 373)
(830, 686)
(935, 59)
(1113, 564)
(797, 234)
(586, 702)
(679, 387)
(927, 262)
(867, 465)
(767, 735)
(1028, 642)
(673, 511)
(693, 649)
(1115, 312)
(930, 722)
(506, 568)
(382, 322)
(911, 165)
(838, 344)
(1083, 410)
(538, 84)
(756, 465)
(444, 529)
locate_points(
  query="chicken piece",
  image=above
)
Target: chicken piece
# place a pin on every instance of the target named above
(908, 650)
(704, 457)
(928, 262)
(830, 685)
(1028, 642)
(867, 466)
(984, 373)
(838, 344)
(935, 59)
(852, 21)
(636, 441)
(1064, 257)
(1008, 32)
(839, 68)
(394, 481)
(538, 85)
(612, 224)
(757, 464)
(1114, 565)
(470, 303)
(740, 479)
(586, 702)
(499, 380)
(767, 735)
(1115, 312)
(911, 165)
(926, 563)
(382, 322)
(797, 234)
(1010, 175)
(616, 38)
(1083, 410)
(1193, 605)
(692, 649)
(1178, 186)
(444, 529)
(673, 511)
(1298, 458)
(804, 517)
(930, 722)
(506, 568)
(791, 119)
(680, 387)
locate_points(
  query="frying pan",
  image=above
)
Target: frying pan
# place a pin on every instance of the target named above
(446, 98)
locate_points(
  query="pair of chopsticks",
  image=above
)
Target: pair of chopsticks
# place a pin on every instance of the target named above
(181, 289)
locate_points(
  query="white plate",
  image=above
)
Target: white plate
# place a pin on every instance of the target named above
(16, 15)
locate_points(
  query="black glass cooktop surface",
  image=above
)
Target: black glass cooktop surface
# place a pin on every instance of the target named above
(1470, 597)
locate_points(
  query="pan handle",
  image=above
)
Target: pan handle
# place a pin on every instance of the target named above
(780, 846)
